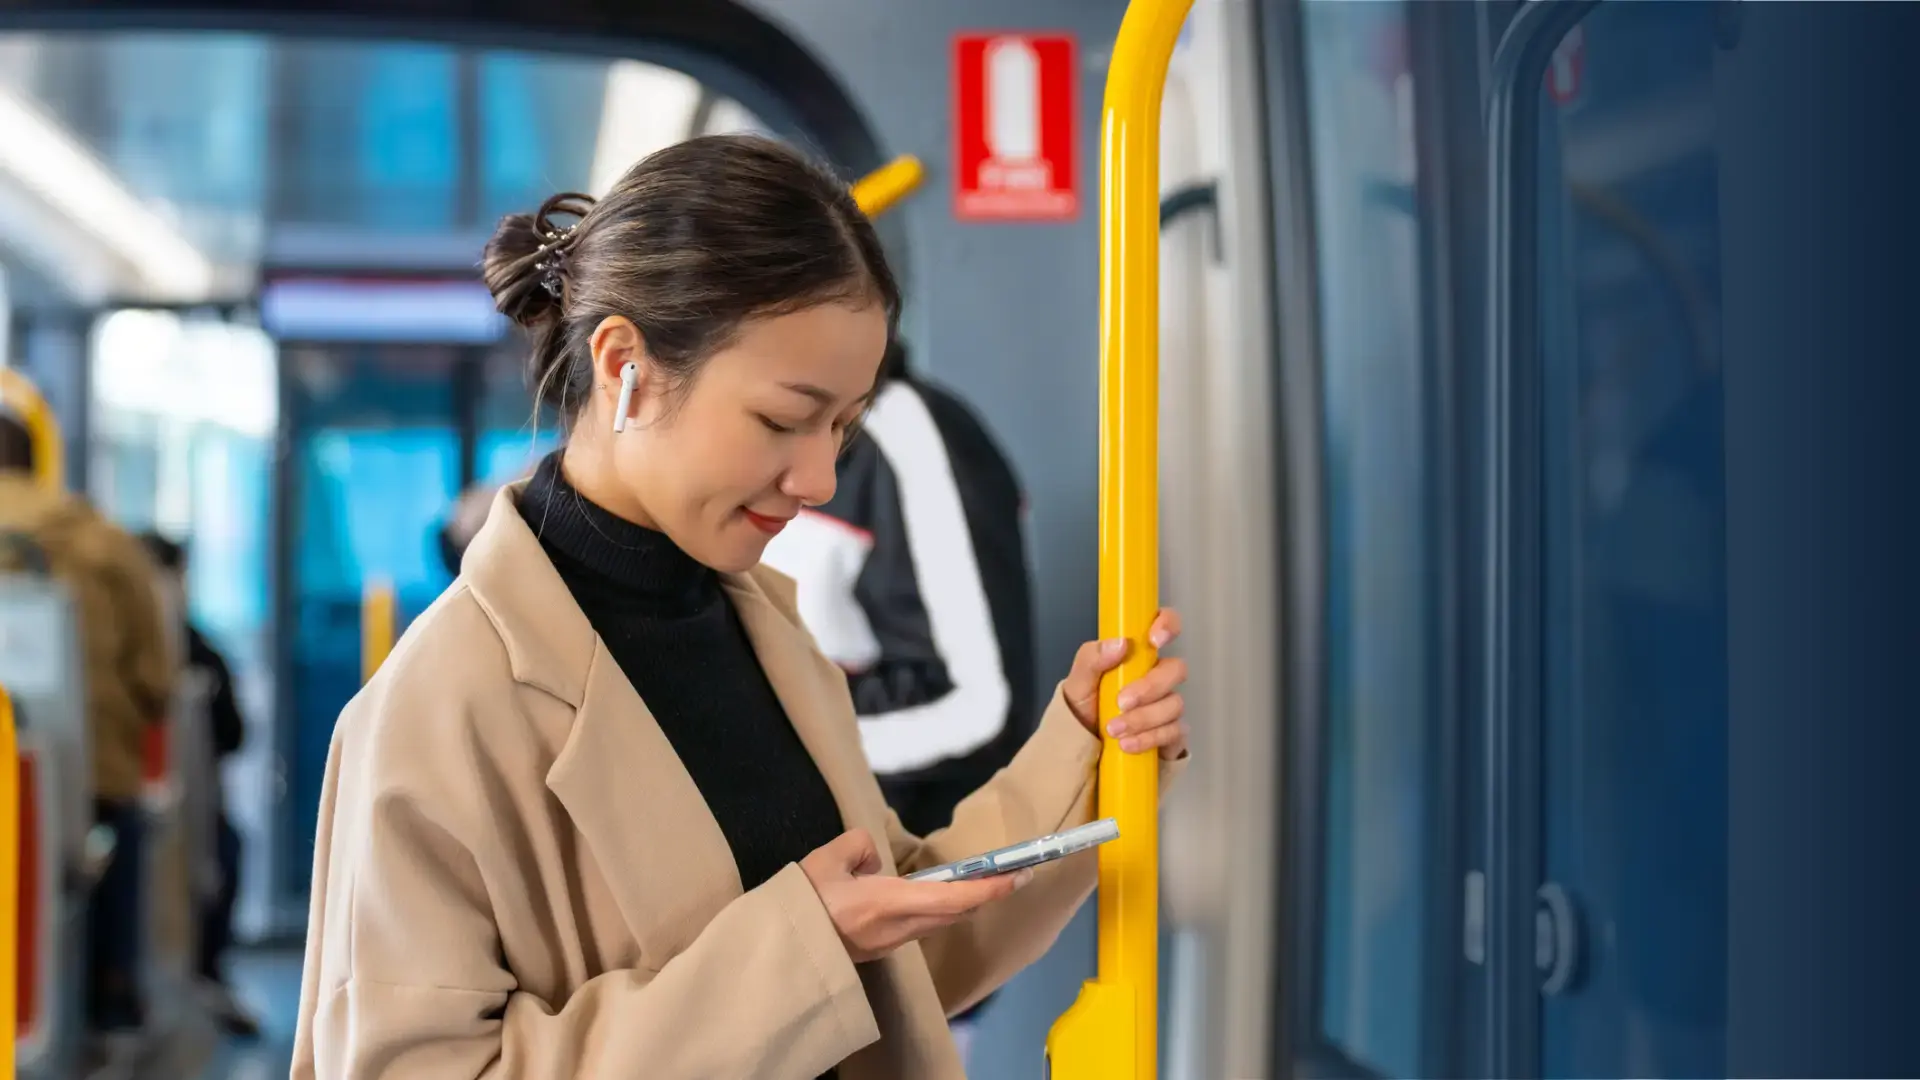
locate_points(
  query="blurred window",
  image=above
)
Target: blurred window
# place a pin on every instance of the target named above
(1380, 612)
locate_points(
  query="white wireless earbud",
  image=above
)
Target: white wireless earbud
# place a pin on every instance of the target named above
(629, 378)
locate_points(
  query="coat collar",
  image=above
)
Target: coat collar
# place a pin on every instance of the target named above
(634, 803)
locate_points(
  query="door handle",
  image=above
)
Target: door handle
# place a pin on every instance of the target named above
(1556, 939)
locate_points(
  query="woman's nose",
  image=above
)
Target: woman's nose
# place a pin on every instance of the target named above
(813, 477)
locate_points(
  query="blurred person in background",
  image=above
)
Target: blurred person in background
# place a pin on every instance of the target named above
(468, 513)
(913, 578)
(129, 677)
(212, 681)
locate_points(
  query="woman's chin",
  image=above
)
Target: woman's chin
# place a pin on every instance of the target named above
(733, 554)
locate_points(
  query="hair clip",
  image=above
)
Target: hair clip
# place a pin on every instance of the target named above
(553, 260)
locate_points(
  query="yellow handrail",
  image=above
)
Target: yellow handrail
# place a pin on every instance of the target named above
(878, 191)
(1111, 1032)
(9, 885)
(23, 399)
(376, 627)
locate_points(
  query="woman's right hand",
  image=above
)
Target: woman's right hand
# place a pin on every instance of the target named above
(877, 914)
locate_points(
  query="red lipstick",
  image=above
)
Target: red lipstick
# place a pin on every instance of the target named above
(769, 525)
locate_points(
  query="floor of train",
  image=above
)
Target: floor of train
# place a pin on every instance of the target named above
(269, 984)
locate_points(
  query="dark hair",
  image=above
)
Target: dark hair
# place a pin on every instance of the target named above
(894, 365)
(170, 555)
(692, 242)
(16, 445)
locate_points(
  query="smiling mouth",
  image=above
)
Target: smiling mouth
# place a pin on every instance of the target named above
(769, 525)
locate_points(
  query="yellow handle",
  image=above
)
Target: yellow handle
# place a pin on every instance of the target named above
(376, 627)
(1112, 1031)
(23, 399)
(879, 190)
(9, 885)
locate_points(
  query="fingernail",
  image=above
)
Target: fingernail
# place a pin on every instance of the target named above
(1116, 729)
(1158, 637)
(1020, 879)
(1128, 699)
(1130, 745)
(1113, 646)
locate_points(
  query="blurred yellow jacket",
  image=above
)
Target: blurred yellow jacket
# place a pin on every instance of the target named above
(126, 656)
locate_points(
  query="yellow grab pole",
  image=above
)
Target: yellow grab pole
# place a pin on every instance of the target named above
(21, 398)
(376, 627)
(1111, 1032)
(9, 885)
(879, 190)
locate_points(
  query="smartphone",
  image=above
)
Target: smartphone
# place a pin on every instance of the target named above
(1020, 856)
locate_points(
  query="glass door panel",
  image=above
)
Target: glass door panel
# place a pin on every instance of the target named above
(1634, 567)
(374, 463)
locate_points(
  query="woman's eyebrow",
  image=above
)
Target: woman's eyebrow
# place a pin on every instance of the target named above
(819, 394)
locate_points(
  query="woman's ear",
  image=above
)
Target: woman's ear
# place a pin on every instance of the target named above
(616, 343)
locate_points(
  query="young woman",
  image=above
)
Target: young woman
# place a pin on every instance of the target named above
(604, 812)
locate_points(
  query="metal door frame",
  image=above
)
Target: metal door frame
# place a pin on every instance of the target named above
(785, 85)
(1296, 1047)
(1513, 675)
(1452, 63)
(1451, 49)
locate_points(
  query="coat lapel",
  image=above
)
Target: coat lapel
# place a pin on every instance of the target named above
(663, 857)
(666, 862)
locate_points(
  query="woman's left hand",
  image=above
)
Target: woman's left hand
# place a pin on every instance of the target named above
(1152, 715)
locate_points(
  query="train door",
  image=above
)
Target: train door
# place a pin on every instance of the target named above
(1218, 434)
(372, 460)
(1609, 714)
(1374, 143)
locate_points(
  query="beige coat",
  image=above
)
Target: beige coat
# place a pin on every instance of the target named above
(516, 878)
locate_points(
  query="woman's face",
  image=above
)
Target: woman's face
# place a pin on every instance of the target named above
(724, 463)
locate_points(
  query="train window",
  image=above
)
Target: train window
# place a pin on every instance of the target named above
(1380, 614)
(531, 142)
(180, 439)
(1635, 727)
(374, 463)
(512, 436)
(375, 134)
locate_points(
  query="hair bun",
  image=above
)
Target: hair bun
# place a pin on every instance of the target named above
(524, 264)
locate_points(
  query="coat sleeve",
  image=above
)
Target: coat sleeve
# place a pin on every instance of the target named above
(1049, 786)
(405, 975)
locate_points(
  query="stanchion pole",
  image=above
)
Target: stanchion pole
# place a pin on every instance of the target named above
(377, 614)
(1111, 1032)
(9, 886)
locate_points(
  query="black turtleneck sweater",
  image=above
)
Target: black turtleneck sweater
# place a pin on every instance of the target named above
(678, 639)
